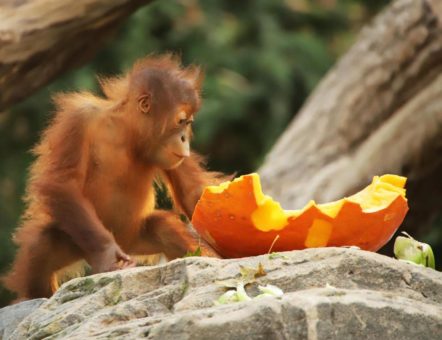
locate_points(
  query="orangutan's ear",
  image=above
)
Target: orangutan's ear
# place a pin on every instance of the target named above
(144, 102)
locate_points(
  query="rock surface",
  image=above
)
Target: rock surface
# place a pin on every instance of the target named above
(330, 293)
(11, 316)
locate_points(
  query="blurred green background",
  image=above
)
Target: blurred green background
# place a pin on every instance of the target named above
(261, 57)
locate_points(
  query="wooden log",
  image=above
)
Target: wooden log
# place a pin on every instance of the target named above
(40, 39)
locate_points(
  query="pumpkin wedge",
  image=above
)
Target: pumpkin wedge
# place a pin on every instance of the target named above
(238, 220)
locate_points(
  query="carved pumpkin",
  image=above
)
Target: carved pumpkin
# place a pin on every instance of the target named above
(238, 220)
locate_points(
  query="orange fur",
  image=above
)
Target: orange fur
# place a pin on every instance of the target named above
(90, 188)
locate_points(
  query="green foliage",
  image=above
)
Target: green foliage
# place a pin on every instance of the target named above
(196, 252)
(262, 59)
(162, 197)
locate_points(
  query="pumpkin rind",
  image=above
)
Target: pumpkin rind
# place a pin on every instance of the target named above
(229, 218)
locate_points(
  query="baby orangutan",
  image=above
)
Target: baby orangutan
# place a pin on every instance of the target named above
(90, 194)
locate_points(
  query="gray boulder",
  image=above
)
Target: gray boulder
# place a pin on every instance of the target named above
(11, 316)
(330, 293)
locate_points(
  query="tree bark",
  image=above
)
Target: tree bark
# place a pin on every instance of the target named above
(39, 39)
(379, 110)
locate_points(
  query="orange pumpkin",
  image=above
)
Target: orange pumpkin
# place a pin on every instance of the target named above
(238, 220)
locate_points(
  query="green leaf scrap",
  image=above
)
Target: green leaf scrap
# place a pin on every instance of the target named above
(238, 294)
(197, 252)
(274, 256)
(409, 250)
